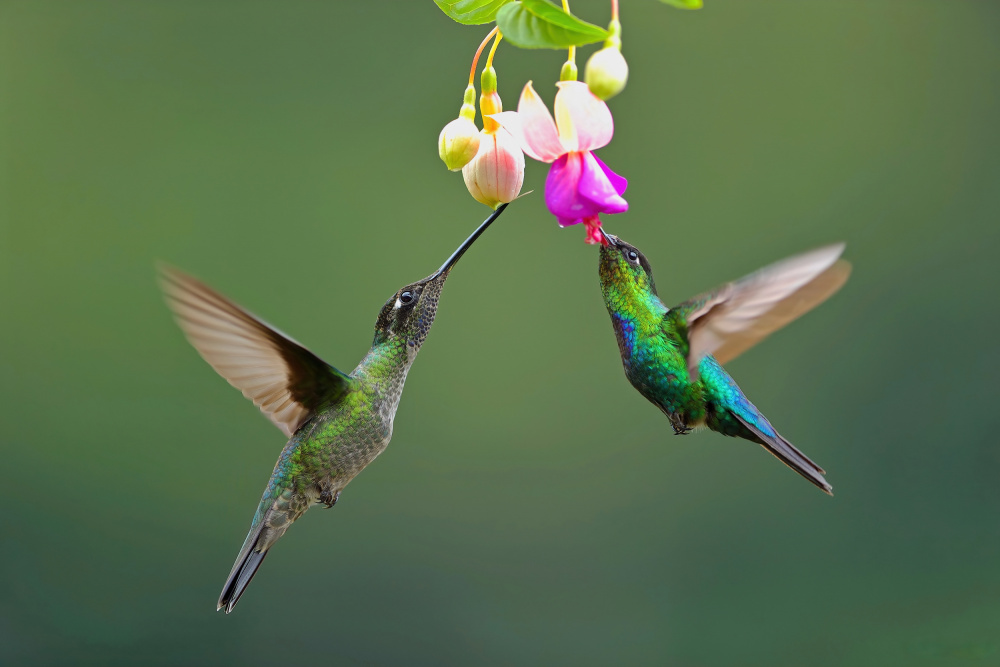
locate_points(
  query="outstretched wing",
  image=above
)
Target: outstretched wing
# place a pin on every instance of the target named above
(282, 378)
(735, 317)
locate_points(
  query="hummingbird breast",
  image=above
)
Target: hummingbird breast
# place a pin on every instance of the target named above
(657, 368)
(330, 449)
(342, 443)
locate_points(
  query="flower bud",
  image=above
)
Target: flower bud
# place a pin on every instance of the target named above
(569, 71)
(459, 140)
(458, 143)
(496, 173)
(489, 104)
(489, 101)
(607, 71)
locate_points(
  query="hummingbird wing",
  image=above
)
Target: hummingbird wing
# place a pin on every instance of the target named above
(733, 318)
(282, 378)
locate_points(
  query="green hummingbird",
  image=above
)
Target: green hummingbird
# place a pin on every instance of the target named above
(673, 356)
(337, 423)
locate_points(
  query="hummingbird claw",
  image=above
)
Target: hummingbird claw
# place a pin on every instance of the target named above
(328, 498)
(679, 427)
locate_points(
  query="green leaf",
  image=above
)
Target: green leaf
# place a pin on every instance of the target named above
(683, 4)
(471, 12)
(537, 24)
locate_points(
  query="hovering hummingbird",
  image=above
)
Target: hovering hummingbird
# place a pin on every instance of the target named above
(336, 423)
(673, 356)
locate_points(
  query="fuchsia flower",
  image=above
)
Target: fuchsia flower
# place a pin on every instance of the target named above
(579, 186)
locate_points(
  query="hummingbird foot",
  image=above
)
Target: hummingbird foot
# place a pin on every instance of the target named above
(328, 498)
(677, 422)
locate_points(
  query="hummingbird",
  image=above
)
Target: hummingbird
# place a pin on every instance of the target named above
(336, 423)
(674, 356)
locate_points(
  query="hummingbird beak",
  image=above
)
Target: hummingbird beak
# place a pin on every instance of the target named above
(446, 267)
(610, 239)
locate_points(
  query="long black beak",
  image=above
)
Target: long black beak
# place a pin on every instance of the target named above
(609, 239)
(455, 256)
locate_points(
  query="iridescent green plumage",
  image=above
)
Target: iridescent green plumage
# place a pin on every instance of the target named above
(336, 423)
(672, 356)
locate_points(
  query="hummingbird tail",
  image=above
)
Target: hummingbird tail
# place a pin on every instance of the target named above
(236, 585)
(251, 556)
(789, 454)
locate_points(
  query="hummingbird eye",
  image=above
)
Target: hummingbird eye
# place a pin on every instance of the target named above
(406, 297)
(633, 256)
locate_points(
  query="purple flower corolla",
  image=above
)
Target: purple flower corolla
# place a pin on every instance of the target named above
(579, 186)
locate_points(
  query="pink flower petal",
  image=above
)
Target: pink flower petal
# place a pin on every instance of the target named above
(561, 190)
(511, 121)
(579, 186)
(619, 183)
(539, 128)
(596, 186)
(584, 120)
(510, 166)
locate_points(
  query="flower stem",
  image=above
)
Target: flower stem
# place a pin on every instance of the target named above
(496, 43)
(614, 10)
(475, 61)
(569, 70)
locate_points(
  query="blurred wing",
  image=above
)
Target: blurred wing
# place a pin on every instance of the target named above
(730, 320)
(282, 378)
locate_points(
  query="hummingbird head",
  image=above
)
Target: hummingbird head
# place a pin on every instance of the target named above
(409, 313)
(407, 316)
(624, 267)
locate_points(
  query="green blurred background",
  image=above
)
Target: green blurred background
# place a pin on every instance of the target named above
(532, 508)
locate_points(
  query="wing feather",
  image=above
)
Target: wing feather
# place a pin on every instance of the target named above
(733, 318)
(282, 378)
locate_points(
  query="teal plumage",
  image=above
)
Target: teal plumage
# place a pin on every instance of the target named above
(337, 423)
(673, 356)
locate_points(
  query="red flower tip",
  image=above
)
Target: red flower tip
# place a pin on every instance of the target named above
(594, 235)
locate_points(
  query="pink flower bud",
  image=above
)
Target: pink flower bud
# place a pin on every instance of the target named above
(495, 175)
